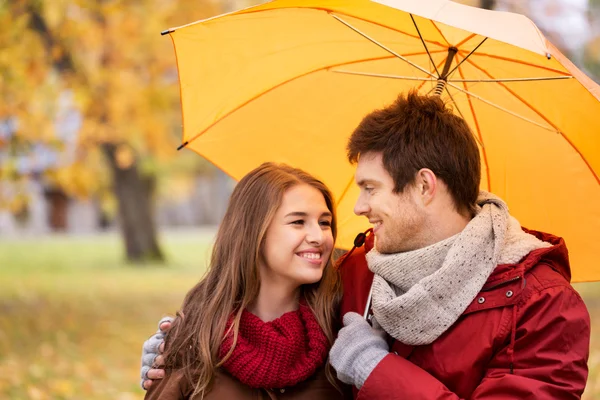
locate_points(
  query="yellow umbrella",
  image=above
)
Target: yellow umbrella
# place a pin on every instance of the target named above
(289, 80)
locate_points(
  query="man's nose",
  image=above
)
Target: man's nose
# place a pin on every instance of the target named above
(361, 207)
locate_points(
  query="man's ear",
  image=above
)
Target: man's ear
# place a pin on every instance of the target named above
(426, 184)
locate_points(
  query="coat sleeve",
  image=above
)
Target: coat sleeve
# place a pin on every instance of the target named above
(551, 349)
(174, 386)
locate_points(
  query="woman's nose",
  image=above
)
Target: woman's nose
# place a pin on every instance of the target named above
(315, 234)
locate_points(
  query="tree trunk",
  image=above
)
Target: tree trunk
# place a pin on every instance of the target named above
(134, 196)
(133, 192)
(488, 4)
(58, 203)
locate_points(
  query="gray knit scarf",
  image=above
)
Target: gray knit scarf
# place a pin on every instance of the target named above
(418, 295)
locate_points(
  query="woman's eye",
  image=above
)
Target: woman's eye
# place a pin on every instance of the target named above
(368, 189)
(298, 222)
(325, 223)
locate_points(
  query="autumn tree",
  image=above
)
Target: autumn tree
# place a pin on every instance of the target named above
(592, 50)
(122, 73)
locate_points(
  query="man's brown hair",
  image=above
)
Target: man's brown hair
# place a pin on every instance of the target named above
(420, 131)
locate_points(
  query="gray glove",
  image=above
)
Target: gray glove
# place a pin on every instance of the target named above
(357, 350)
(150, 350)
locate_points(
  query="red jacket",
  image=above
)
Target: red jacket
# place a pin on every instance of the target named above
(525, 336)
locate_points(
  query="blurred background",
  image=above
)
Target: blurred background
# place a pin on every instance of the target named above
(104, 226)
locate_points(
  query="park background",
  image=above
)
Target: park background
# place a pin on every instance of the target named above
(89, 124)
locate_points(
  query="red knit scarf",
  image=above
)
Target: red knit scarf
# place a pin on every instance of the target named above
(278, 353)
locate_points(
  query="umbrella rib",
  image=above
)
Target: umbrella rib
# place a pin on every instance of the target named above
(477, 139)
(424, 45)
(456, 105)
(378, 59)
(325, 68)
(331, 12)
(465, 40)
(366, 60)
(478, 128)
(467, 57)
(541, 115)
(423, 83)
(548, 78)
(440, 32)
(382, 45)
(248, 11)
(346, 189)
(516, 61)
(471, 94)
(410, 78)
(383, 26)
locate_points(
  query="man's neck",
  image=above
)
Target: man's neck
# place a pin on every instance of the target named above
(452, 225)
(445, 225)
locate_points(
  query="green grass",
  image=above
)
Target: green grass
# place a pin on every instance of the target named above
(73, 315)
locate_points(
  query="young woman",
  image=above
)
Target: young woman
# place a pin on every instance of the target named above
(259, 324)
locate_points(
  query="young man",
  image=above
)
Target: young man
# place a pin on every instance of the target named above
(465, 303)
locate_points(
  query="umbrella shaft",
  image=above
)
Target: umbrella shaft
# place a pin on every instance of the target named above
(451, 53)
(439, 87)
(441, 82)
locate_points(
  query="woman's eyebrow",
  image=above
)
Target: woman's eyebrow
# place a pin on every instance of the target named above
(303, 214)
(296, 214)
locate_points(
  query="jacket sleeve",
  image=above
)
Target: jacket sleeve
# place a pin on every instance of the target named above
(174, 386)
(550, 355)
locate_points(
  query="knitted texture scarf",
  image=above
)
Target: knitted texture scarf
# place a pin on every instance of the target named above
(278, 353)
(418, 295)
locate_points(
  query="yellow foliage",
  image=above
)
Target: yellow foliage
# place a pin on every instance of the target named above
(81, 179)
(121, 71)
(35, 394)
(62, 387)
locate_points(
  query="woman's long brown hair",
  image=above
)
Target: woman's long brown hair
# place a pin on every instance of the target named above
(232, 281)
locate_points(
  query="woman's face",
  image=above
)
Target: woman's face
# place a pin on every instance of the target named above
(299, 240)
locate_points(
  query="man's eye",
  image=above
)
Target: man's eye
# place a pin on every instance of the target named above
(368, 189)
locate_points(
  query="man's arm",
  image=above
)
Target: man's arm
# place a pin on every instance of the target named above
(550, 358)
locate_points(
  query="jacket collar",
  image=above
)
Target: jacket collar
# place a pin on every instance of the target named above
(556, 256)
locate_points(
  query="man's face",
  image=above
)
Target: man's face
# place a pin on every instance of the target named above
(398, 219)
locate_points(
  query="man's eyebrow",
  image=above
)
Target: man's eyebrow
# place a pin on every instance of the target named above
(364, 182)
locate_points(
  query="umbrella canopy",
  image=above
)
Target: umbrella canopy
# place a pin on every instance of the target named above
(289, 80)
